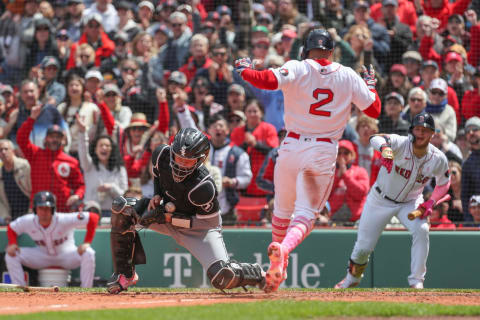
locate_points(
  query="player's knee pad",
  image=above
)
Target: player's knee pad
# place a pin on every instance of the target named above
(356, 269)
(229, 275)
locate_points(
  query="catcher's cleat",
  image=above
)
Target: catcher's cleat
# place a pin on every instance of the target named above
(120, 283)
(418, 285)
(277, 272)
(348, 282)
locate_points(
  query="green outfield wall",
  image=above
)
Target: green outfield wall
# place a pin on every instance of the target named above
(319, 262)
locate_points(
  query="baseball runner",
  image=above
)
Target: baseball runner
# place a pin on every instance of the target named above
(318, 94)
(185, 207)
(53, 234)
(408, 164)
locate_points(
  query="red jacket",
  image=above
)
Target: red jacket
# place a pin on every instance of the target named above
(104, 51)
(190, 69)
(473, 55)
(448, 8)
(442, 223)
(265, 133)
(351, 188)
(54, 171)
(471, 104)
(406, 13)
(375, 165)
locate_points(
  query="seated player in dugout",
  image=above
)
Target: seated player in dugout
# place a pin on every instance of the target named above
(185, 207)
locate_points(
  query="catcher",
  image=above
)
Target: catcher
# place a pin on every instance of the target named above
(408, 163)
(185, 207)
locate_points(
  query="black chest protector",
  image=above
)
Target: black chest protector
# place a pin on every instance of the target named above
(196, 194)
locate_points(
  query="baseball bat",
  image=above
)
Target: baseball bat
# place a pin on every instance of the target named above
(29, 288)
(420, 211)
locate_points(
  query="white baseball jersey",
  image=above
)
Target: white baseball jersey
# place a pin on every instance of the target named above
(318, 98)
(57, 237)
(409, 174)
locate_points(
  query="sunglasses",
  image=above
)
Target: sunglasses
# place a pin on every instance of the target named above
(42, 29)
(217, 53)
(85, 56)
(234, 120)
(129, 69)
(343, 153)
(93, 26)
(110, 94)
(471, 130)
(176, 25)
(416, 99)
(437, 93)
(262, 46)
(63, 38)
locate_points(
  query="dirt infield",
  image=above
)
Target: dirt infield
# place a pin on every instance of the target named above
(28, 302)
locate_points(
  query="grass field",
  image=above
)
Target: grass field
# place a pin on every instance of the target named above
(275, 309)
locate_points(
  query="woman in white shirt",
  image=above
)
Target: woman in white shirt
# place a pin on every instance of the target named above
(103, 170)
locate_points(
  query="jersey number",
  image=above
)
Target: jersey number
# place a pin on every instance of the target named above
(315, 107)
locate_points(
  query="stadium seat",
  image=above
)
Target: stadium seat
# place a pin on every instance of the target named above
(249, 209)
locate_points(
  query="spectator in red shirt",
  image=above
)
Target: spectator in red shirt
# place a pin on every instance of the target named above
(199, 58)
(439, 218)
(405, 11)
(350, 186)
(442, 9)
(257, 137)
(95, 36)
(471, 99)
(52, 169)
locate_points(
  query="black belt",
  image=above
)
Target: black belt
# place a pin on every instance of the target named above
(385, 196)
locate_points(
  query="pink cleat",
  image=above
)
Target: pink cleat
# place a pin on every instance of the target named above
(119, 283)
(277, 272)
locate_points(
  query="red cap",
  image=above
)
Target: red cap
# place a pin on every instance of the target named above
(347, 144)
(399, 68)
(289, 34)
(453, 56)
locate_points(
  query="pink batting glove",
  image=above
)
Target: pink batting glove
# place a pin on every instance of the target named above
(427, 206)
(387, 163)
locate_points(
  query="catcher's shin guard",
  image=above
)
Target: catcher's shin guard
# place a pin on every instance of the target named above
(229, 275)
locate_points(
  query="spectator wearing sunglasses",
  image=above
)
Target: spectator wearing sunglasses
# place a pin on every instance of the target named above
(471, 166)
(93, 35)
(438, 107)
(417, 102)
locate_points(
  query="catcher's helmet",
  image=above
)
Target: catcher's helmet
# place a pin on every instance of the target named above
(188, 144)
(423, 120)
(44, 199)
(317, 39)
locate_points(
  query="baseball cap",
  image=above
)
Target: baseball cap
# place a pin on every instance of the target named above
(414, 55)
(92, 206)
(111, 87)
(169, 4)
(6, 88)
(439, 84)
(457, 18)
(258, 7)
(390, 3)
(185, 7)
(50, 61)
(361, 4)
(260, 29)
(395, 95)
(399, 68)
(264, 40)
(69, 2)
(472, 122)
(347, 144)
(453, 56)
(474, 200)
(213, 15)
(235, 87)
(125, 5)
(147, 4)
(178, 77)
(238, 113)
(289, 33)
(120, 35)
(42, 22)
(265, 16)
(93, 73)
(62, 34)
(55, 128)
(93, 17)
(429, 63)
(223, 9)
(159, 27)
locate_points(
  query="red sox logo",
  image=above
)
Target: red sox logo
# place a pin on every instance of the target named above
(284, 72)
(63, 169)
(320, 42)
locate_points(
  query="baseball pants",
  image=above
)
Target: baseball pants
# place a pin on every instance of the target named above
(303, 177)
(35, 258)
(377, 212)
(204, 240)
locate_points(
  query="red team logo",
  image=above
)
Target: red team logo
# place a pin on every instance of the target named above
(284, 72)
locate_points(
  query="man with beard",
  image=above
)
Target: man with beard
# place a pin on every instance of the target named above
(52, 169)
(397, 193)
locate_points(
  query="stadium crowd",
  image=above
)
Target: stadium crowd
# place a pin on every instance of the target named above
(90, 88)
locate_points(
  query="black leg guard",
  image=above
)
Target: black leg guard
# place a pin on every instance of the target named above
(229, 275)
(356, 269)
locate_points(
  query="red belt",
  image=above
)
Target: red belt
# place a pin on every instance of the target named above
(297, 136)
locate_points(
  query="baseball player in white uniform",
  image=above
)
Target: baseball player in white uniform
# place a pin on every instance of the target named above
(408, 164)
(318, 94)
(53, 234)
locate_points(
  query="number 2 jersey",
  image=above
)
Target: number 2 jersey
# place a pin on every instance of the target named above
(318, 97)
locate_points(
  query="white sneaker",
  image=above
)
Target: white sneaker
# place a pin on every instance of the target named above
(348, 282)
(418, 285)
